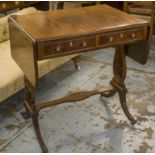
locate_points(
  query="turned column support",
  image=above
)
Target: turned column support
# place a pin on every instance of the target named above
(119, 72)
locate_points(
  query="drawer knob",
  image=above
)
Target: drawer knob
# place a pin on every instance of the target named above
(3, 5)
(71, 44)
(58, 48)
(84, 43)
(16, 3)
(133, 35)
(121, 35)
(111, 39)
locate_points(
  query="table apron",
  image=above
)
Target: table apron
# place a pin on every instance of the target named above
(62, 47)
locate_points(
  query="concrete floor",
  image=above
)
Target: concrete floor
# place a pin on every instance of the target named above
(92, 125)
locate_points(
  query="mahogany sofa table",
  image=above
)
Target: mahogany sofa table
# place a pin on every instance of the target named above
(47, 35)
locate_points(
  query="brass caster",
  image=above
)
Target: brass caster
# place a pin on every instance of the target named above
(78, 68)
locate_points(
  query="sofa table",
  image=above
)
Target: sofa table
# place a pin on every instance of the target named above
(47, 35)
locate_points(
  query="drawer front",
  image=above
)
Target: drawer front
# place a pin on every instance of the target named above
(112, 38)
(122, 37)
(50, 49)
(136, 34)
(56, 48)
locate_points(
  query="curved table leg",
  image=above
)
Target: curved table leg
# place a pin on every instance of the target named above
(122, 98)
(38, 134)
(119, 71)
(30, 107)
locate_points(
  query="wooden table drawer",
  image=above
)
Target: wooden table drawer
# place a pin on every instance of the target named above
(112, 38)
(122, 37)
(136, 34)
(55, 48)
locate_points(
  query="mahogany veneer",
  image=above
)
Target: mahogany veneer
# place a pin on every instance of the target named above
(47, 35)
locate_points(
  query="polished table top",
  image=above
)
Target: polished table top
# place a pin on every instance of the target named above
(75, 22)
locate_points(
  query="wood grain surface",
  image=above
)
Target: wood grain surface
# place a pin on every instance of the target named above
(73, 22)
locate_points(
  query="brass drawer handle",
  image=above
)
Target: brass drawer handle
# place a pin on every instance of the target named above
(3, 5)
(133, 35)
(58, 48)
(111, 39)
(84, 44)
(121, 35)
(16, 3)
(71, 44)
